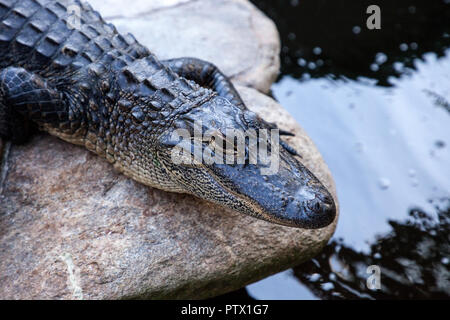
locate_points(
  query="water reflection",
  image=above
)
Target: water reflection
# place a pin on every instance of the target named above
(413, 258)
(379, 143)
(377, 105)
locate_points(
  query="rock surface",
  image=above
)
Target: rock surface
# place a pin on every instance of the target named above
(72, 228)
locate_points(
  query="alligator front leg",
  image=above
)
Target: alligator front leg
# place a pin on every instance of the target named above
(206, 75)
(27, 99)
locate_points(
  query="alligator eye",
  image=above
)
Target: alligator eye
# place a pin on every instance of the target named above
(217, 142)
(249, 118)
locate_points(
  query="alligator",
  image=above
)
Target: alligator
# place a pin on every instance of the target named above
(86, 83)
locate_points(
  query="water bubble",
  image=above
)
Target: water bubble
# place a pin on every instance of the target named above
(374, 67)
(412, 9)
(414, 182)
(332, 277)
(412, 173)
(319, 62)
(413, 46)
(380, 58)
(314, 277)
(403, 47)
(398, 66)
(445, 260)
(311, 65)
(384, 183)
(356, 29)
(391, 80)
(377, 255)
(291, 36)
(294, 3)
(327, 286)
(317, 50)
(301, 62)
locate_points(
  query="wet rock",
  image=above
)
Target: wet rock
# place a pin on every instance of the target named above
(232, 34)
(73, 228)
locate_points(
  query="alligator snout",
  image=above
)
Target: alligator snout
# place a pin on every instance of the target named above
(318, 212)
(293, 196)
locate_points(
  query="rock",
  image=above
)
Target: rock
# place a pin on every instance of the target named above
(232, 34)
(112, 9)
(73, 228)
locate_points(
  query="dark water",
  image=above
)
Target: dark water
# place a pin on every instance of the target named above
(377, 105)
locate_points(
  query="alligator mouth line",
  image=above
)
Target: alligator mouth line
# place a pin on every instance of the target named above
(257, 210)
(249, 202)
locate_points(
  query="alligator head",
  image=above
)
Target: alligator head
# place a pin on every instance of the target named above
(275, 187)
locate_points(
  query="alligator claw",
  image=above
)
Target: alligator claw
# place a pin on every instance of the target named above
(289, 149)
(286, 133)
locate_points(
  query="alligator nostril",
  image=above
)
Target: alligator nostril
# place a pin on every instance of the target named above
(317, 206)
(320, 204)
(313, 205)
(325, 199)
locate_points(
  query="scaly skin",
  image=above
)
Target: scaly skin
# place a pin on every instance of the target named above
(87, 84)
